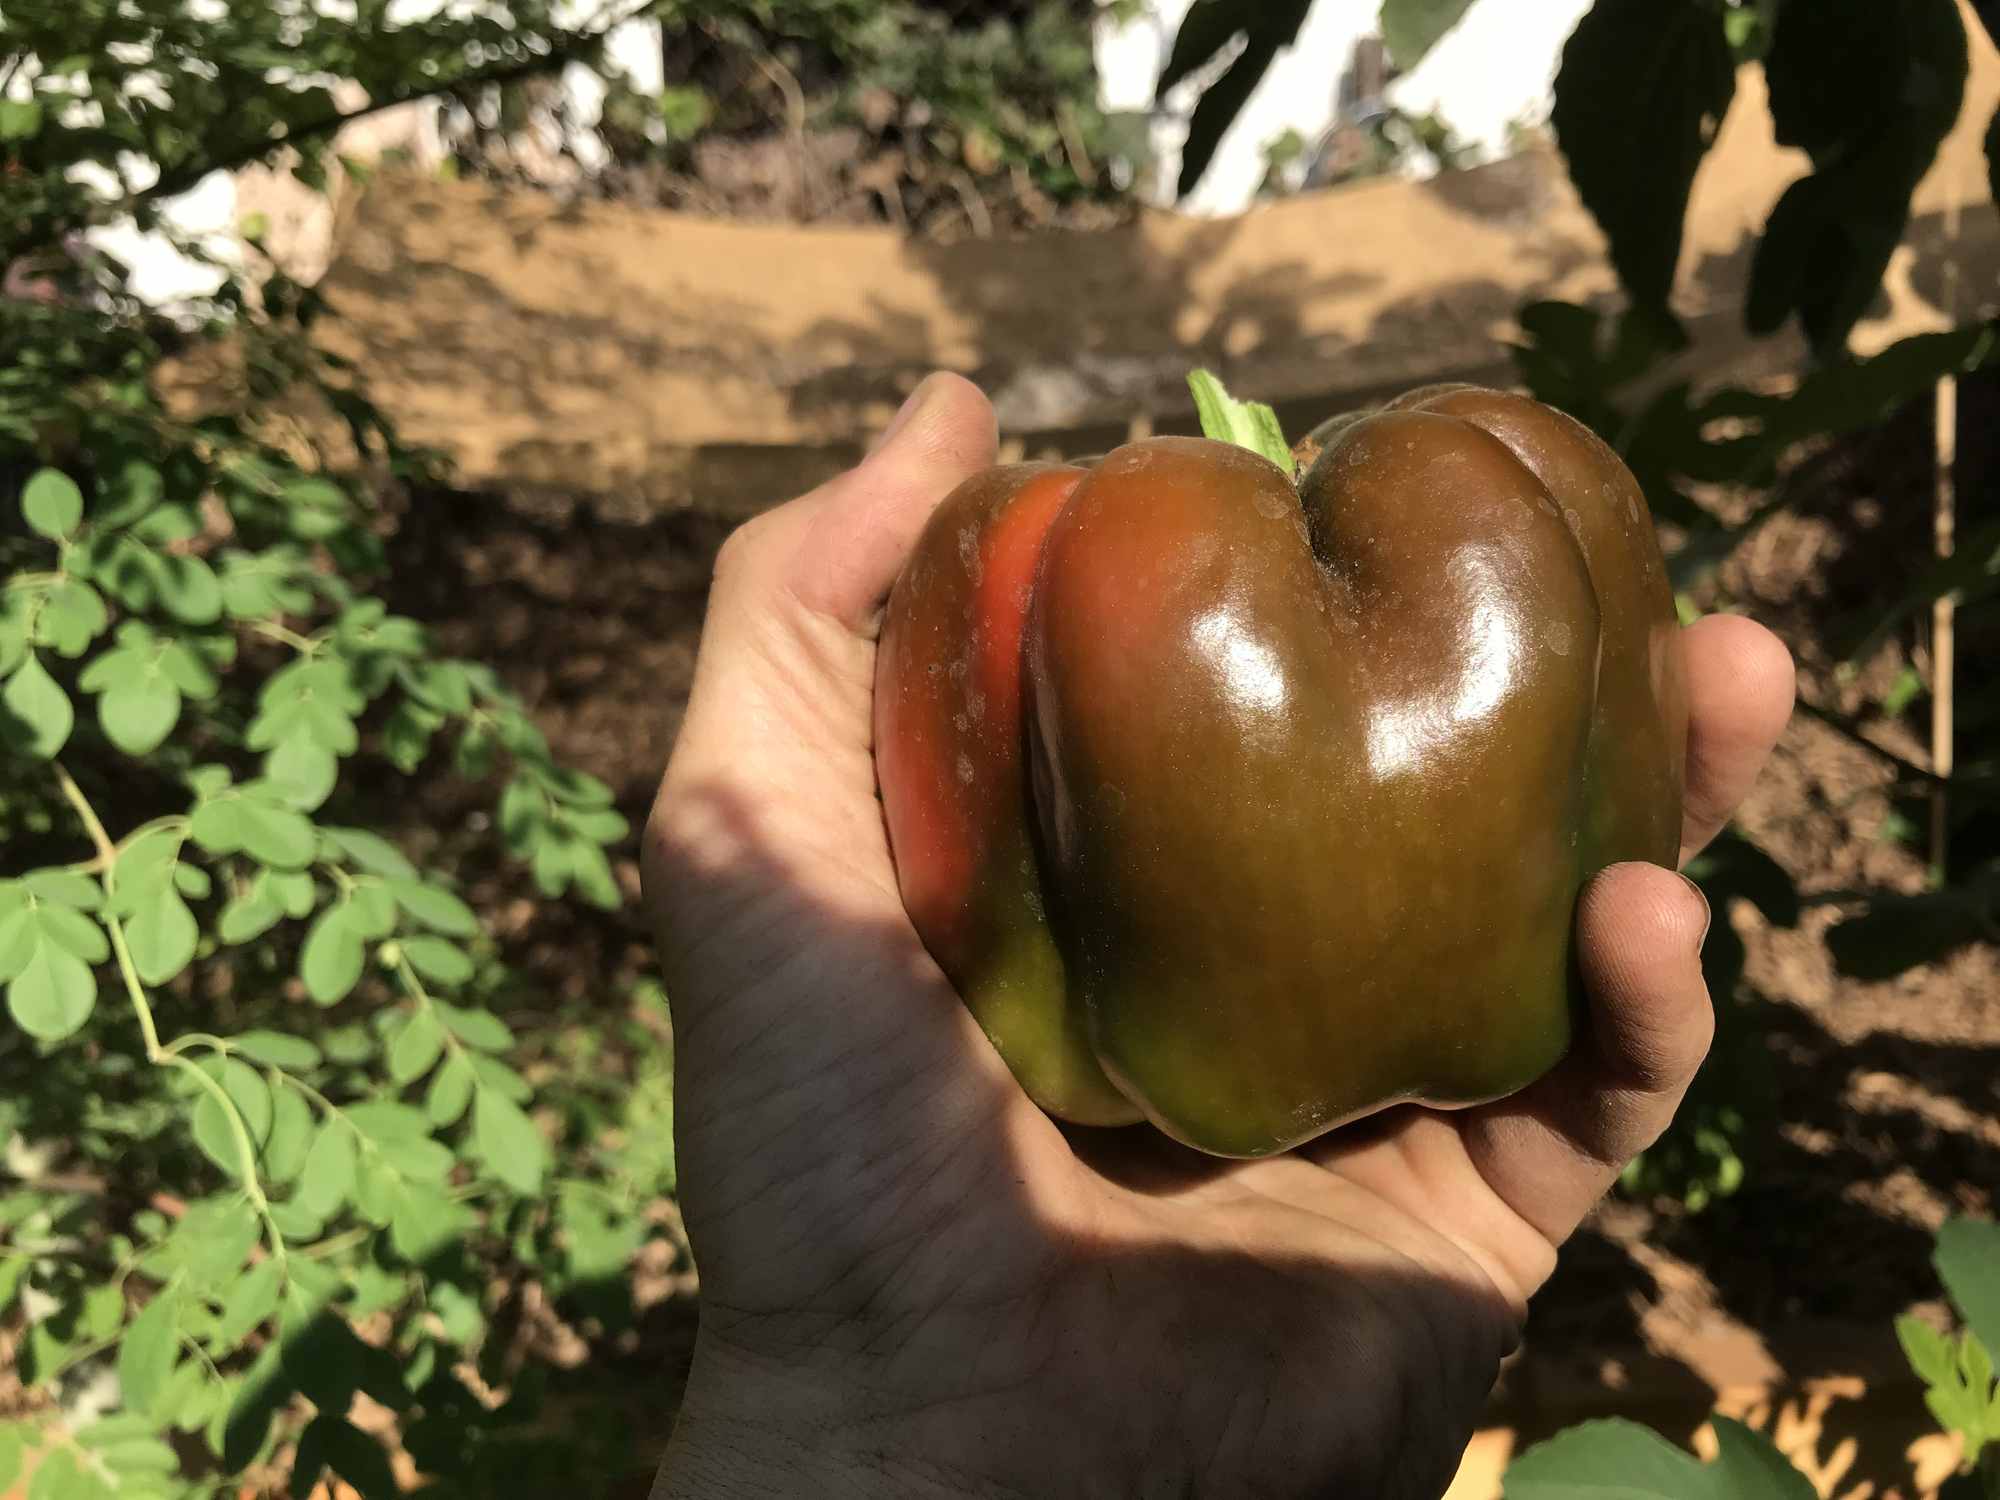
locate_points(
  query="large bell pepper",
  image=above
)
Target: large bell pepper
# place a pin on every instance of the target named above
(1251, 804)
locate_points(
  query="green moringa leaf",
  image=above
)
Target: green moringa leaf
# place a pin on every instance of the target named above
(1968, 1261)
(51, 503)
(38, 708)
(53, 995)
(146, 1353)
(333, 956)
(508, 1142)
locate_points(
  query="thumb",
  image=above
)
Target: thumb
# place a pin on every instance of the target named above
(856, 530)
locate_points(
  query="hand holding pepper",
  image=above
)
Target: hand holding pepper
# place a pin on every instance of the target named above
(914, 1282)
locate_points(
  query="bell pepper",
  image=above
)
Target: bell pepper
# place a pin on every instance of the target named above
(1250, 801)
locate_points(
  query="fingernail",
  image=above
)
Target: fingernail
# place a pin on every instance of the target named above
(912, 404)
(1707, 912)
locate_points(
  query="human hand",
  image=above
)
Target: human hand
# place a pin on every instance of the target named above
(915, 1283)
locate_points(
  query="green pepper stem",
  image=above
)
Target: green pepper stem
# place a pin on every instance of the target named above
(1247, 424)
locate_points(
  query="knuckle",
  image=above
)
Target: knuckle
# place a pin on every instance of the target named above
(739, 550)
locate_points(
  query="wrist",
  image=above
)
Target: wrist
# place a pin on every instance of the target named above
(746, 1429)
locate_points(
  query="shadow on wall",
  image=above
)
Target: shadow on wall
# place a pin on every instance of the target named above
(1083, 339)
(660, 361)
(620, 352)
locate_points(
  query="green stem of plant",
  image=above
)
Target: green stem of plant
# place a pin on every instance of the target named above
(422, 996)
(193, 1347)
(338, 1243)
(304, 645)
(92, 824)
(327, 1107)
(189, 1039)
(1247, 424)
(142, 1009)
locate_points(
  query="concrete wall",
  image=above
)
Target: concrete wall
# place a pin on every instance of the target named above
(672, 360)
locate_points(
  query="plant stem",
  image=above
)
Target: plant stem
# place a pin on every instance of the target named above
(193, 1346)
(194, 1039)
(415, 985)
(142, 1009)
(339, 1242)
(1943, 623)
(327, 1107)
(92, 824)
(304, 645)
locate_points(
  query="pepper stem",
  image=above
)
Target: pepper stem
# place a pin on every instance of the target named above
(1247, 424)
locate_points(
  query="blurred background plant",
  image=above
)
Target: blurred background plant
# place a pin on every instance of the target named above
(1616, 1456)
(968, 117)
(1720, 463)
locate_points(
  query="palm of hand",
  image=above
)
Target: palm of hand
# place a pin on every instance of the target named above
(903, 1253)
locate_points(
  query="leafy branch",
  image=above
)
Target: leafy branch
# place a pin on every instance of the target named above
(168, 1057)
(296, 1164)
(583, 43)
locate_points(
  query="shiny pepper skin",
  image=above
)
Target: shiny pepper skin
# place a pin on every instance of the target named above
(1251, 807)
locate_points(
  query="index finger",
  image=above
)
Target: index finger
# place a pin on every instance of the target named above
(1740, 689)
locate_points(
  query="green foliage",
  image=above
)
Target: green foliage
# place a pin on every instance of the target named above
(1412, 27)
(1968, 1263)
(275, 1140)
(1260, 32)
(1958, 1371)
(1958, 1382)
(998, 93)
(1640, 95)
(1869, 92)
(1621, 1458)
(163, 93)
(1210, 27)
(1679, 443)
(1676, 439)
(915, 104)
(1617, 1457)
